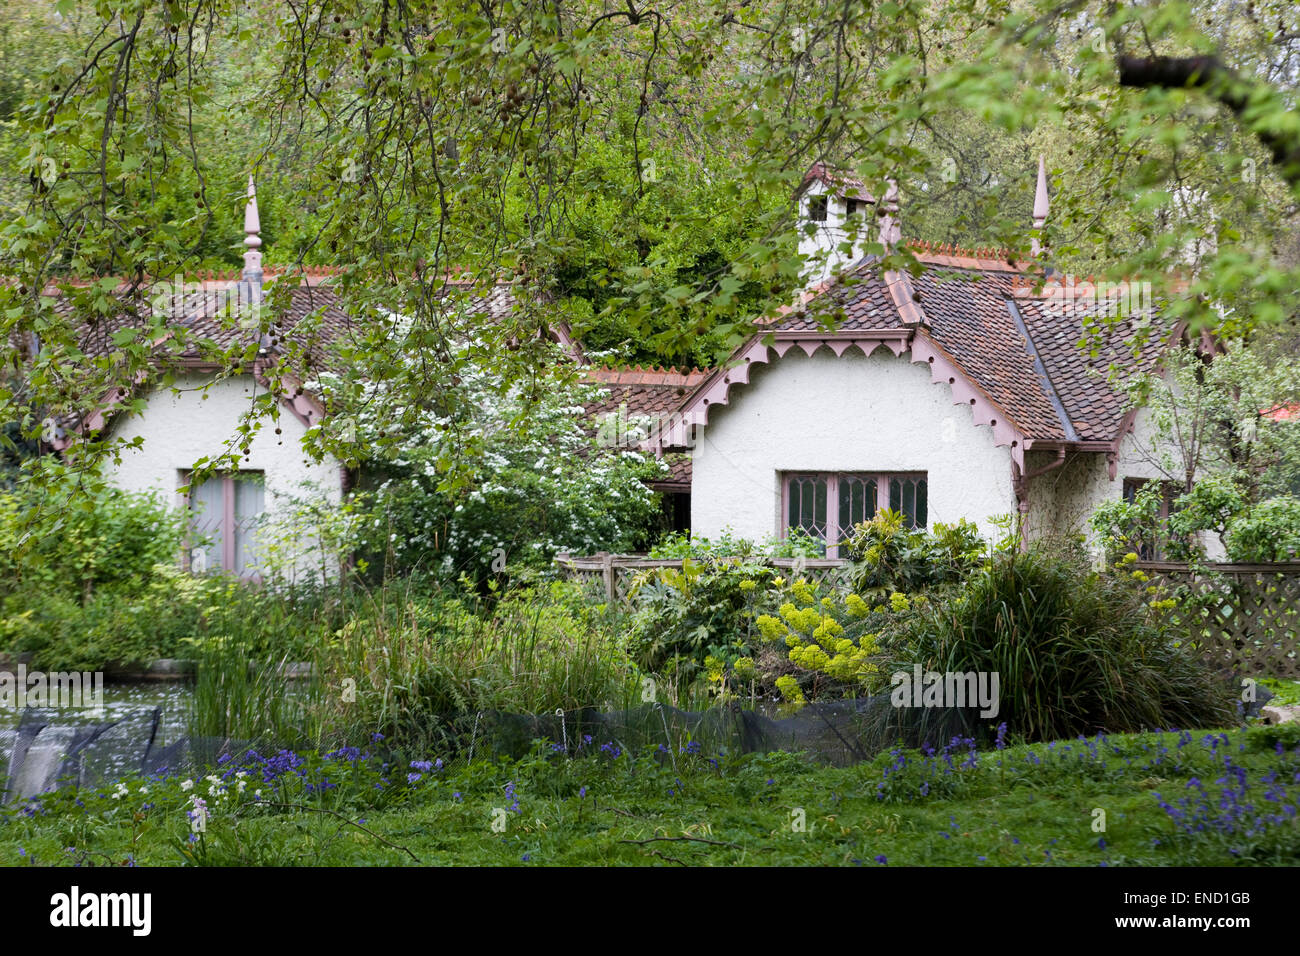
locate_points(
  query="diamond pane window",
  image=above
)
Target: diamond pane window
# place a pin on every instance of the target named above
(820, 501)
(907, 495)
(857, 501)
(806, 510)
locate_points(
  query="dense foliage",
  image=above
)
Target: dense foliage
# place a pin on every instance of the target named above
(539, 480)
(1224, 445)
(630, 168)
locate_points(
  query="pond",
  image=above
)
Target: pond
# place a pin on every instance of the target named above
(127, 704)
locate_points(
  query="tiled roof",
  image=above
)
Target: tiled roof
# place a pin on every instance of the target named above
(207, 322)
(645, 392)
(845, 184)
(199, 316)
(970, 320)
(1079, 376)
(967, 299)
(336, 327)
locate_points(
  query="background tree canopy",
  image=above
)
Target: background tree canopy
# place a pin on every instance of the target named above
(629, 166)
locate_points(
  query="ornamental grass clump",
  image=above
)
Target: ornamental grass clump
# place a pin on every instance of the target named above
(1076, 651)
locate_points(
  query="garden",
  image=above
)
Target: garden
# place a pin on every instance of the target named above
(516, 718)
(400, 245)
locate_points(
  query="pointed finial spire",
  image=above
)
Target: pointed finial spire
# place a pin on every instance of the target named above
(252, 241)
(1040, 206)
(249, 288)
(889, 230)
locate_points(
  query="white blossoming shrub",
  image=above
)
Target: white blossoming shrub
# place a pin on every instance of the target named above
(502, 477)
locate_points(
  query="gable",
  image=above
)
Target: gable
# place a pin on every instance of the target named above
(850, 414)
(971, 317)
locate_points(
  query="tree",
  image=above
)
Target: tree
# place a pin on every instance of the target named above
(514, 138)
(1225, 440)
(538, 482)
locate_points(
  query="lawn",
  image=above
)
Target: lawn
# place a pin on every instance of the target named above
(1172, 798)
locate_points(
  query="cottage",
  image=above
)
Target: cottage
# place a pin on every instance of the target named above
(960, 393)
(198, 418)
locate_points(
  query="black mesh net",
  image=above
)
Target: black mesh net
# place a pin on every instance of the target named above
(45, 754)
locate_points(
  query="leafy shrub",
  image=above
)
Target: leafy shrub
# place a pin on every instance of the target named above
(1075, 651)
(537, 483)
(887, 556)
(115, 627)
(821, 644)
(716, 613)
(705, 609)
(1259, 531)
(1270, 531)
(100, 539)
(798, 544)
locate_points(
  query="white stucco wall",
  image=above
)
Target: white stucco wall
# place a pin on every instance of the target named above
(852, 413)
(822, 246)
(179, 429)
(1062, 500)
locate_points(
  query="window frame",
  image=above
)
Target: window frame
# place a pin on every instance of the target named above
(229, 539)
(1169, 490)
(882, 481)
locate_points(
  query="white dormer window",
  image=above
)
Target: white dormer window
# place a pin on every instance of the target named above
(817, 208)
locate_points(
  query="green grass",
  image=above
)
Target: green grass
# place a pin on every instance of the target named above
(1286, 692)
(1027, 805)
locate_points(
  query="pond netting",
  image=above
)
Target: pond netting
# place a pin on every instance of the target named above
(45, 750)
(45, 753)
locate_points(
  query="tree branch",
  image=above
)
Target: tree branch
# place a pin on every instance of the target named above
(1241, 95)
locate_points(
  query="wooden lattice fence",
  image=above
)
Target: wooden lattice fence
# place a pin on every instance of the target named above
(608, 577)
(1245, 618)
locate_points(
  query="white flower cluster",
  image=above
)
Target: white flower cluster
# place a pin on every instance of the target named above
(502, 466)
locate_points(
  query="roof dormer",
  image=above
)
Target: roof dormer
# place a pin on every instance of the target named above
(835, 221)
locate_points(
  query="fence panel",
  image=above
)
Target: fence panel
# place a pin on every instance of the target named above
(1243, 617)
(608, 577)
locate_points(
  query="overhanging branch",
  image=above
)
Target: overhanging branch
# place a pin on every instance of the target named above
(1241, 95)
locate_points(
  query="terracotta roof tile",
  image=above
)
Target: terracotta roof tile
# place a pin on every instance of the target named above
(652, 393)
(844, 183)
(199, 316)
(965, 298)
(1094, 405)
